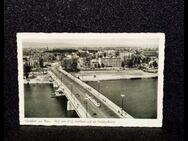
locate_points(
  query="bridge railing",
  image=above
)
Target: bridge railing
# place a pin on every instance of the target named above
(101, 97)
(72, 98)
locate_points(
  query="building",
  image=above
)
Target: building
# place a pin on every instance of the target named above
(82, 63)
(32, 61)
(151, 54)
(110, 53)
(125, 55)
(94, 63)
(110, 62)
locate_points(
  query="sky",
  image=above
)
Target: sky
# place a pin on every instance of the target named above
(92, 43)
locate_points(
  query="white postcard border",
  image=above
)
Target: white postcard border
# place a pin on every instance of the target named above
(91, 121)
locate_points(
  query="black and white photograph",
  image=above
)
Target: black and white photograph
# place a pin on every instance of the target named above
(91, 79)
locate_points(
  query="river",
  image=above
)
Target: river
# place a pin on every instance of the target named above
(140, 99)
(39, 103)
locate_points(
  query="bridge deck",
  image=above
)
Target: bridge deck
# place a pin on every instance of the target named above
(80, 93)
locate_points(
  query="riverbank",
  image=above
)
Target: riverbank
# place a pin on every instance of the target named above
(40, 78)
(114, 75)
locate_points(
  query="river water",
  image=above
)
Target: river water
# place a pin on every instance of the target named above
(140, 99)
(39, 103)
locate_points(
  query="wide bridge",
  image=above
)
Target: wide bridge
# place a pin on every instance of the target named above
(85, 100)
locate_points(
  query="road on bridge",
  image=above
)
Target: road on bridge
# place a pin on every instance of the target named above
(80, 93)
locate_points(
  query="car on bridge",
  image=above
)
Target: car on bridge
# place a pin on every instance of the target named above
(93, 100)
(77, 94)
(97, 104)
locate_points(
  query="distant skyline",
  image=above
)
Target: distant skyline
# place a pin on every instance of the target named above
(91, 43)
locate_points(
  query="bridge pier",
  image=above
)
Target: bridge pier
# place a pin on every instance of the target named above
(70, 107)
(55, 85)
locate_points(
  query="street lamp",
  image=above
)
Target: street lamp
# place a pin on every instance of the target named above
(122, 97)
(86, 102)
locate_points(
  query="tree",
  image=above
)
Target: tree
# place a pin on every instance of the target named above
(102, 65)
(155, 65)
(41, 62)
(117, 53)
(88, 61)
(74, 66)
(148, 59)
(137, 58)
(130, 63)
(104, 54)
(27, 70)
(122, 64)
(144, 59)
(67, 64)
(99, 66)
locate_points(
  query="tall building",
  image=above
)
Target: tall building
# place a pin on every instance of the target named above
(110, 62)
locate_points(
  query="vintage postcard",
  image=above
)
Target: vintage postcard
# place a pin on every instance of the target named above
(91, 79)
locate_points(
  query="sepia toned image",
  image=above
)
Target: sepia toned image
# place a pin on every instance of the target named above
(93, 79)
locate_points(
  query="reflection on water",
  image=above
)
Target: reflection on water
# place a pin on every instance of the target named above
(38, 102)
(140, 99)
